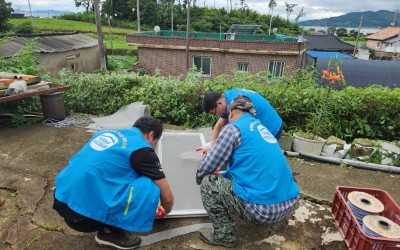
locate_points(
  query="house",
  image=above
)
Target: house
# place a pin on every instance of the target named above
(216, 53)
(385, 43)
(363, 73)
(327, 43)
(73, 51)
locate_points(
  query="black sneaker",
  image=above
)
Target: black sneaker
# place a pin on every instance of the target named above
(207, 235)
(119, 240)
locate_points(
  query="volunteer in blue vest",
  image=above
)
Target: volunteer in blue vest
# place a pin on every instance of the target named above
(258, 184)
(115, 184)
(217, 103)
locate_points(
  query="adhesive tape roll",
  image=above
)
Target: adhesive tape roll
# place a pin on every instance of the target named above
(366, 202)
(382, 226)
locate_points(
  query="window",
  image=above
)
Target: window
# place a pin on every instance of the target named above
(203, 64)
(275, 68)
(243, 67)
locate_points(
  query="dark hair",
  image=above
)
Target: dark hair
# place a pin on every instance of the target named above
(210, 100)
(146, 124)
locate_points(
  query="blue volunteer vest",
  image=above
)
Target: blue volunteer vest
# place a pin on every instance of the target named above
(258, 169)
(100, 183)
(264, 111)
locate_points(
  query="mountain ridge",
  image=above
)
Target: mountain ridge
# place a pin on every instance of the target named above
(373, 19)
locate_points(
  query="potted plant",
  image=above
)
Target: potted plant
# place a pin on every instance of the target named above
(318, 122)
(286, 141)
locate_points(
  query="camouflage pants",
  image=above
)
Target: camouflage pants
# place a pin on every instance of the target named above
(219, 201)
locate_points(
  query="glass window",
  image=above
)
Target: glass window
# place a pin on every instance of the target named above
(203, 64)
(275, 68)
(242, 67)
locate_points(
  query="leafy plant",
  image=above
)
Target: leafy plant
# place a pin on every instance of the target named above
(319, 121)
(24, 28)
(25, 61)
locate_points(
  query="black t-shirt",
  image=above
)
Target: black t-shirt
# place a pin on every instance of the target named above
(146, 162)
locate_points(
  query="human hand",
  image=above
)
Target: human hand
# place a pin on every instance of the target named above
(205, 148)
(160, 212)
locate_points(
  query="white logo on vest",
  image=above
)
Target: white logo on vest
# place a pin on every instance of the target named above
(266, 135)
(104, 141)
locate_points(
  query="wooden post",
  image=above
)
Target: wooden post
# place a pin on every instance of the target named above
(187, 35)
(358, 36)
(102, 50)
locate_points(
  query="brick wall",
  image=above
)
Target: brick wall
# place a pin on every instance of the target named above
(168, 54)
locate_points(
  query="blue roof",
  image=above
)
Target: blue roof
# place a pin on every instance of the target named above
(327, 54)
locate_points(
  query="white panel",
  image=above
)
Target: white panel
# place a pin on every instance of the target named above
(179, 161)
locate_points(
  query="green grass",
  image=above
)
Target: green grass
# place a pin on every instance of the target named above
(59, 25)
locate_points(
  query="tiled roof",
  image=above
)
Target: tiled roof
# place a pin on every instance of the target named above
(326, 43)
(385, 34)
(48, 44)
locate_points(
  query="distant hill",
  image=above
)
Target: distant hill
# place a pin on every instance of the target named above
(378, 19)
(41, 13)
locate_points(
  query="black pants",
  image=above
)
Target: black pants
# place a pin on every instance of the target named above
(79, 222)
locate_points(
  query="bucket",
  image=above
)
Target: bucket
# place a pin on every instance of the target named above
(53, 106)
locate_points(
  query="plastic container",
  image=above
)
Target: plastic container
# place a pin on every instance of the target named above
(53, 106)
(307, 146)
(353, 234)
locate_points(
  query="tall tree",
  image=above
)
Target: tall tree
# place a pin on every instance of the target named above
(301, 14)
(5, 14)
(289, 9)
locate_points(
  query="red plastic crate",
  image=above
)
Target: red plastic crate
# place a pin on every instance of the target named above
(353, 235)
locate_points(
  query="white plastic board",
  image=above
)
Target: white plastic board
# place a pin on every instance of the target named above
(179, 161)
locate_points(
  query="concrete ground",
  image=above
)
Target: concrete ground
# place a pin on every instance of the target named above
(31, 156)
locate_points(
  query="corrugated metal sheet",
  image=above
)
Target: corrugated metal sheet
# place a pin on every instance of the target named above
(48, 44)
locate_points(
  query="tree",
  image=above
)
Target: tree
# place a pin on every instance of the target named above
(5, 14)
(341, 32)
(301, 14)
(331, 30)
(87, 4)
(272, 4)
(289, 9)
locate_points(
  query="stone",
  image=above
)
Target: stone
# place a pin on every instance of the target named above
(2, 201)
(360, 150)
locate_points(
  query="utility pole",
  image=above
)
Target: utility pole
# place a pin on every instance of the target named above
(30, 10)
(187, 35)
(172, 15)
(103, 63)
(138, 15)
(394, 19)
(358, 36)
(111, 34)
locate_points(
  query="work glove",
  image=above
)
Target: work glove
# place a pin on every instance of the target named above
(205, 148)
(160, 212)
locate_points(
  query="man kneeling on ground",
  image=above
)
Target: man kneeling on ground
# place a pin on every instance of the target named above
(114, 184)
(258, 184)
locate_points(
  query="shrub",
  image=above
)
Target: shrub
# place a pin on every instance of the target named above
(24, 28)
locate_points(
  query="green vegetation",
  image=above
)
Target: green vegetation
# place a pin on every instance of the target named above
(372, 112)
(57, 25)
(5, 14)
(381, 18)
(24, 28)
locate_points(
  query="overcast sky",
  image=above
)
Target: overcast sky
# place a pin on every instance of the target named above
(315, 9)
